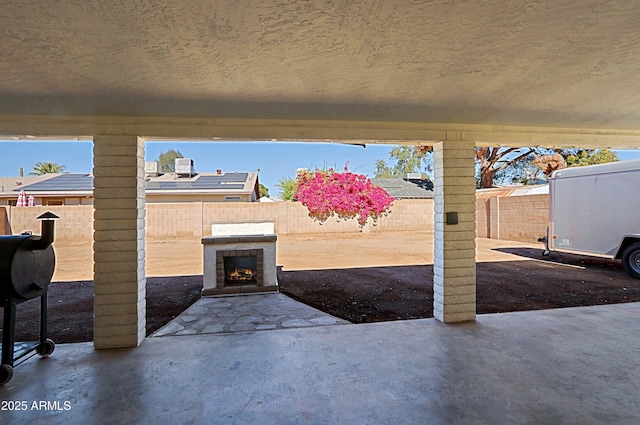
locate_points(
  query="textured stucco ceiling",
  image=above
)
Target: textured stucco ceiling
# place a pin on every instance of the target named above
(546, 63)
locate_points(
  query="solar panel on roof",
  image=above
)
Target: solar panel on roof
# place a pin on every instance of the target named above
(208, 180)
(235, 177)
(229, 186)
(168, 185)
(64, 182)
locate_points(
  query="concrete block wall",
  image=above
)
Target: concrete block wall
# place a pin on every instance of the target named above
(298, 221)
(293, 217)
(483, 218)
(174, 221)
(524, 218)
(406, 215)
(521, 218)
(518, 218)
(74, 225)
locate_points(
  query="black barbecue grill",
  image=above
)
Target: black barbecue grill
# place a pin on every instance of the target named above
(27, 263)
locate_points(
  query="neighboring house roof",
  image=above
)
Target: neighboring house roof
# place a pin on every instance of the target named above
(513, 191)
(203, 182)
(405, 189)
(82, 184)
(7, 184)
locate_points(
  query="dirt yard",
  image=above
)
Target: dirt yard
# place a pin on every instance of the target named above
(360, 277)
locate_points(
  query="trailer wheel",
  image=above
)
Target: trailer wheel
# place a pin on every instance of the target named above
(46, 348)
(6, 373)
(631, 260)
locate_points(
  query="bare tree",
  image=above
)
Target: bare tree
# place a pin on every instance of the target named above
(494, 160)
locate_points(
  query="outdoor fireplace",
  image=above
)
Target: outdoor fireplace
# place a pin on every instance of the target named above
(240, 258)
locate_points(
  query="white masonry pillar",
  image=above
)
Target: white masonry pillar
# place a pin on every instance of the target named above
(454, 269)
(118, 242)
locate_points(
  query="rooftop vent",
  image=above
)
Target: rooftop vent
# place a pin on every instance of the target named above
(184, 167)
(413, 176)
(151, 168)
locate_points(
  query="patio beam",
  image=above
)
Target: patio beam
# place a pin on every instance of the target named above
(454, 268)
(119, 241)
(20, 127)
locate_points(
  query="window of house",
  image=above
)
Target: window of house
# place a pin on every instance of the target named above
(53, 201)
(233, 198)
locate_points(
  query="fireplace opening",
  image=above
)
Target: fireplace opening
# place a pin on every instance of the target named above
(240, 267)
(241, 270)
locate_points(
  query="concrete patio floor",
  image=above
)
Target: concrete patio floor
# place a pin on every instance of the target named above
(563, 366)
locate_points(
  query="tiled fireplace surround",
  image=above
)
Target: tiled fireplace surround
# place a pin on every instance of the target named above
(239, 239)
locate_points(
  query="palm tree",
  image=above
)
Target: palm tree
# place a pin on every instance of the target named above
(46, 167)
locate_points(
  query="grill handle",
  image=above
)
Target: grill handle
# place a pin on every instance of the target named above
(47, 230)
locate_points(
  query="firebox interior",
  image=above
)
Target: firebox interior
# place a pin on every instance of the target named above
(241, 270)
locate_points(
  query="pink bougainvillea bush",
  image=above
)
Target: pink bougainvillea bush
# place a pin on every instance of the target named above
(327, 193)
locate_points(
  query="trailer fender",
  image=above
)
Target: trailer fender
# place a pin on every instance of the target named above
(624, 243)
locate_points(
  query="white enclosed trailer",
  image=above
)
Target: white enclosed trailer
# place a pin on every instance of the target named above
(596, 210)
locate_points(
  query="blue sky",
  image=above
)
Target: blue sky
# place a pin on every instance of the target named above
(275, 160)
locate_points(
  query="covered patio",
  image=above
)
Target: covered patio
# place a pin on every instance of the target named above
(454, 75)
(451, 74)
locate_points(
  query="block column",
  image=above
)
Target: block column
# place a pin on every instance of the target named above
(118, 241)
(494, 217)
(454, 269)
